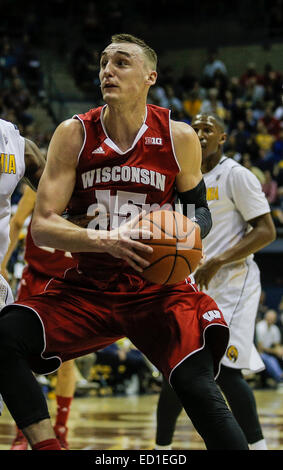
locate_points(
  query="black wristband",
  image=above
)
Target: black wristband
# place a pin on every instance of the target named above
(196, 199)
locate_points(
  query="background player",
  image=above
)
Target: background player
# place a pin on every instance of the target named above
(19, 158)
(104, 299)
(242, 225)
(42, 265)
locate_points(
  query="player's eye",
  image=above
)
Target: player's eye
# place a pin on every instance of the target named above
(122, 62)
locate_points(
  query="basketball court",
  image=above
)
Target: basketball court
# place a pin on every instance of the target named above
(128, 423)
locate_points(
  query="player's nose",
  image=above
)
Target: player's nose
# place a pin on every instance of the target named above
(108, 70)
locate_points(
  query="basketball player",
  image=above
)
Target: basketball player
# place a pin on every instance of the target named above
(19, 158)
(120, 156)
(42, 265)
(242, 225)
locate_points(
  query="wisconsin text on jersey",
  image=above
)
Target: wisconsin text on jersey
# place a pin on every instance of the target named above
(124, 174)
(7, 163)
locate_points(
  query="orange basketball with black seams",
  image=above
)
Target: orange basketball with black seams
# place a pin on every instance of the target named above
(176, 243)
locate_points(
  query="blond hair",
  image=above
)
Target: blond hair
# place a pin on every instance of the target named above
(149, 53)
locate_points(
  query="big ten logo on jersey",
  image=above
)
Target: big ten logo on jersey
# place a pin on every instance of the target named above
(212, 194)
(153, 141)
(52, 250)
(7, 163)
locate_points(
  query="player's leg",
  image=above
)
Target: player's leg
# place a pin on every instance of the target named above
(65, 389)
(193, 382)
(168, 409)
(243, 405)
(21, 336)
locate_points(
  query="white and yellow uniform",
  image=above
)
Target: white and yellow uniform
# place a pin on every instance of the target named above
(234, 197)
(12, 169)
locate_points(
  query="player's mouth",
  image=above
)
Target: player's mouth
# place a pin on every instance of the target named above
(109, 86)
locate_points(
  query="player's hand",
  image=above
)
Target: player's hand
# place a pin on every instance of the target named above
(123, 243)
(206, 272)
(278, 351)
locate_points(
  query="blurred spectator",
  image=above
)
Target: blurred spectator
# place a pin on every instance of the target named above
(270, 345)
(85, 69)
(271, 123)
(278, 113)
(212, 104)
(123, 353)
(262, 307)
(192, 103)
(277, 148)
(187, 79)
(254, 92)
(230, 148)
(241, 136)
(159, 97)
(174, 103)
(250, 121)
(250, 73)
(8, 59)
(269, 188)
(263, 138)
(18, 99)
(212, 66)
(32, 73)
(247, 163)
(238, 112)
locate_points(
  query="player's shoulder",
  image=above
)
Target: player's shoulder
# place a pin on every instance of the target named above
(8, 125)
(70, 127)
(236, 170)
(182, 131)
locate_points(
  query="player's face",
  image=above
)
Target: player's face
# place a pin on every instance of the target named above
(210, 135)
(124, 73)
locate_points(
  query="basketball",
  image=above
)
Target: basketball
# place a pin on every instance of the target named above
(176, 243)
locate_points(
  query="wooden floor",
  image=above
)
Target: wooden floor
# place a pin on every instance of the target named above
(128, 423)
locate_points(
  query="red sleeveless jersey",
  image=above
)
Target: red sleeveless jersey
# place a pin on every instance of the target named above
(47, 261)
(143, 175)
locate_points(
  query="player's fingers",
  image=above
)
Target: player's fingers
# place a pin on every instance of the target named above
(133, 264)
(137, 245)
(136, 258)
(141, 233)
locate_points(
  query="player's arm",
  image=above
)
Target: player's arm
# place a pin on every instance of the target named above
(55, 189)
(190, 184)
(249, 200)
(34, 162)
(24, 209)
(262, 234)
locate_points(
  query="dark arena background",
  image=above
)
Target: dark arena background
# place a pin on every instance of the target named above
(212, 56)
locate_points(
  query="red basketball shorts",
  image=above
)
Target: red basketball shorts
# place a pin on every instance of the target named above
(32, 283)
(169, 323)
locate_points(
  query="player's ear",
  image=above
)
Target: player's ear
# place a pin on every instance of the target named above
(222, 138)
(151, 78)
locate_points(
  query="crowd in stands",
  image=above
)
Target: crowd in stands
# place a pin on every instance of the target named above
(21, 85)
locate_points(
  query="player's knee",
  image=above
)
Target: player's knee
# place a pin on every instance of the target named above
(229, 379)
(193, 382)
